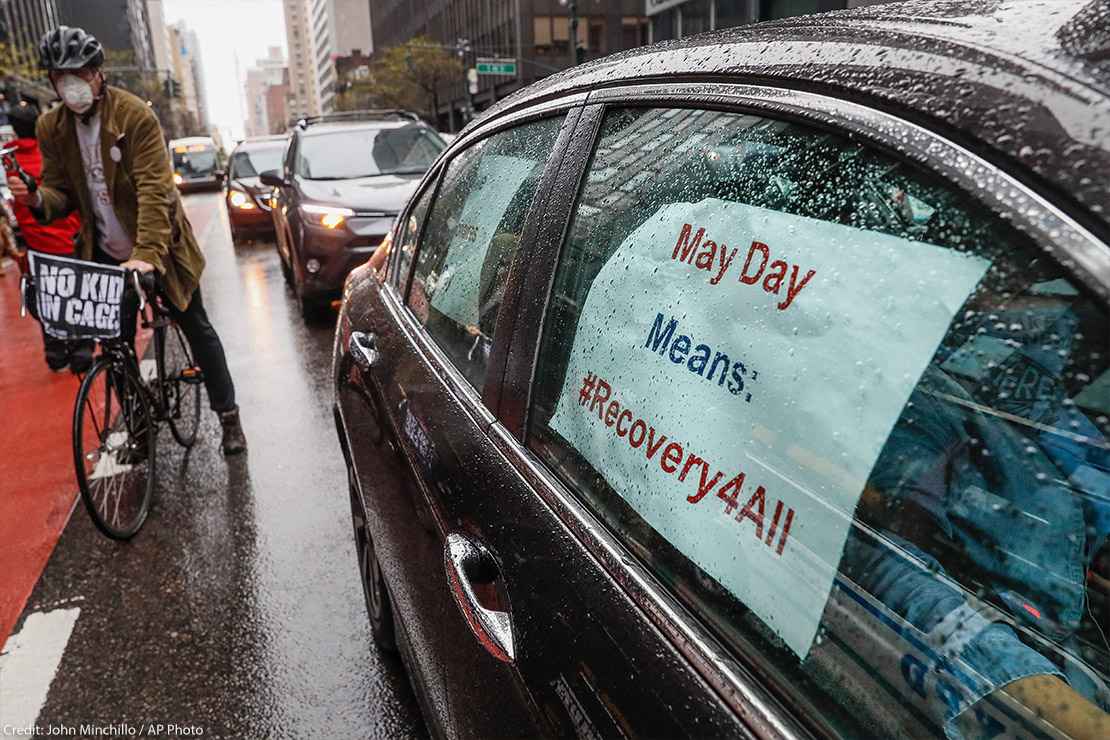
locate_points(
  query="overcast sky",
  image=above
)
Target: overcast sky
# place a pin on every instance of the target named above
(227, 29)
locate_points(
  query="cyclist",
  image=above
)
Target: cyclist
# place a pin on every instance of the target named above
(103, 154)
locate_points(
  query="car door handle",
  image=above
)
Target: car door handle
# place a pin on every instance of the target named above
(364, 350)
(464, 559)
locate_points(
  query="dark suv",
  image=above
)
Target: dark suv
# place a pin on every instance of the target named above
(344, 178)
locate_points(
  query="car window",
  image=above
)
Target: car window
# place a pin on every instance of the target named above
(408, 233)
(472, 234)
(347, 154)
(253, 162)
(857, 423)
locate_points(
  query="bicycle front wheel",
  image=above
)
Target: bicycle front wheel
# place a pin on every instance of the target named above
(182, 380)
(114, 438)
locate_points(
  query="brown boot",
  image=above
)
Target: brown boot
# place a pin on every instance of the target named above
(234, 441)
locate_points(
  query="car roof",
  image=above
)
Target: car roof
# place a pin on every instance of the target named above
(1016, 81)
(262, 142)
(331, 127)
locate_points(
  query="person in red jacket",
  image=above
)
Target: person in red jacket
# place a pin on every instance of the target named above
(56, 237)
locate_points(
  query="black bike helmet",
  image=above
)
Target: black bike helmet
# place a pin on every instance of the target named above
(67, 48)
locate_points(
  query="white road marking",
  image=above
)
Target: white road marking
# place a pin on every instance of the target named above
(28, 666)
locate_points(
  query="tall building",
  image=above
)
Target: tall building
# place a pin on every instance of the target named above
(673, 19)
(22, 25)
(265, 74)
(119, 25)
(189, 74)
(277, 113)
(534, 32)
(159, 37)
(537, 33)
(304, 97)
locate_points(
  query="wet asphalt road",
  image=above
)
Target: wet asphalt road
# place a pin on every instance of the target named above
(238, 608)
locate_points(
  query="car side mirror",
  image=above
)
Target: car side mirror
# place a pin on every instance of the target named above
(272, 178)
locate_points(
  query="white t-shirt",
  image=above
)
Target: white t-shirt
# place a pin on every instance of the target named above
(114, 239)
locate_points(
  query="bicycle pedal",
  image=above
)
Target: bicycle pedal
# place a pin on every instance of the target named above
(192, 375)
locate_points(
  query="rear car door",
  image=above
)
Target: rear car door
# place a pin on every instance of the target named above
(806, 436)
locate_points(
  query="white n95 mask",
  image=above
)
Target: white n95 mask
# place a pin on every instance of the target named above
(76, 93)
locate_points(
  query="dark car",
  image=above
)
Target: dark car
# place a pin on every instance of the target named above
(344, 179)
(248, 200)
(754, 384)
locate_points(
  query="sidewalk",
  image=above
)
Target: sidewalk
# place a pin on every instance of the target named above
(37, 487)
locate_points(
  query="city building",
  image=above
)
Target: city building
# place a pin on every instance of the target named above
(277, 111)
(673, 19)
(120, 25)
(22, 25)
(536, 33)
(303, 26)
(352, 40)
(265, 74)
(188, 72)
(159, 37)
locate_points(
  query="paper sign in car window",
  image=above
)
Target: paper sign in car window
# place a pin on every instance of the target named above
(734, 374)
(498, 179)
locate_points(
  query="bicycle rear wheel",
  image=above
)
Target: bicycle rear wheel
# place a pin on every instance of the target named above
(182, 380)
(114, 438)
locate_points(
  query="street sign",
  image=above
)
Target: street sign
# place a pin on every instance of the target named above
(496, 66)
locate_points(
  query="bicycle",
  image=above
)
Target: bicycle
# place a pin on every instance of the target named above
(117, 414)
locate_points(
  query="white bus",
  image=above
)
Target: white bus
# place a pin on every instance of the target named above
(195, 163)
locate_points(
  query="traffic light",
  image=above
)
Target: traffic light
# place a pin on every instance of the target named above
(172, 88)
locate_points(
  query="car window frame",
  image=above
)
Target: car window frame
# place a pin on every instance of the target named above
(1085, 258)
(483, 403)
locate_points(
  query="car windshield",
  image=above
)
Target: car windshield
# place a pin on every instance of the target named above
(253, 162)
(195, 161)
(353, 153)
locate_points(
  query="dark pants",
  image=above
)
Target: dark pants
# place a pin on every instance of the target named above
(76, 353)
(208, 351)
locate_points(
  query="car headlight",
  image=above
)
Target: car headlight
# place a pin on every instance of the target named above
(239, 199)
(330, 217)
(177, 178)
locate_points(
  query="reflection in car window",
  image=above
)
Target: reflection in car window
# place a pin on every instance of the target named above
(471, 237)
(253, 162)
(346, 154)
(855, 421)
(409, 233)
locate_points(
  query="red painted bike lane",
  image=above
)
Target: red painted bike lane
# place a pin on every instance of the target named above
(38, 491)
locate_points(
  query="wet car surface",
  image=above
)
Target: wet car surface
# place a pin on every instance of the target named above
(753, 383)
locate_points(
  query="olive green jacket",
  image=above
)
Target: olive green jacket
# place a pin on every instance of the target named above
(139, 177)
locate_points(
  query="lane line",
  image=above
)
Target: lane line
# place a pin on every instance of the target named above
(29, 665)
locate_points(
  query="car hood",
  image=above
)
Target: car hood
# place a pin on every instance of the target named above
(382, 193)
